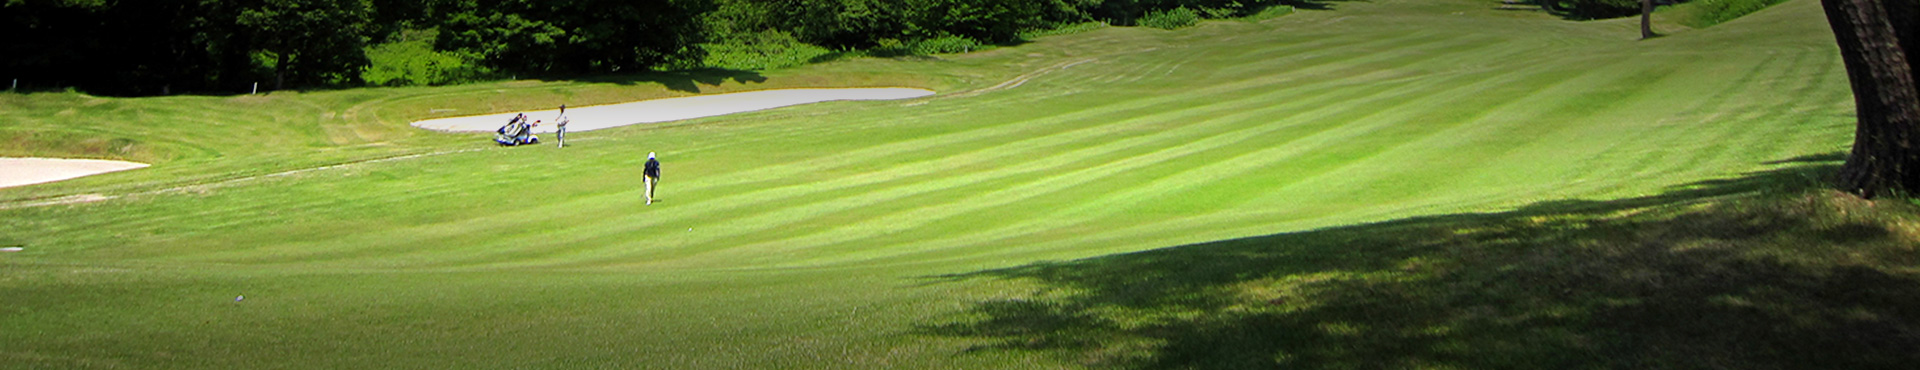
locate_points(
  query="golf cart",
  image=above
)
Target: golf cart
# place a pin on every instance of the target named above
(516, 132)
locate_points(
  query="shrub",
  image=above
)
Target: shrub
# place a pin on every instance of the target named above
(409, 60)
(1175, 18)
(938, 45)
(769, 49)
(945, 45)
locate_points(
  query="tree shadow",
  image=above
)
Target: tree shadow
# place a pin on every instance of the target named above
(680, 80)
(1574, 10)
(1311, 4)
(830, 56)
(1758, 271)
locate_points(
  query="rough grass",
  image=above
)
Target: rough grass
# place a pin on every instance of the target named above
(1066, 29)
(1383, 184)
(1269, 12)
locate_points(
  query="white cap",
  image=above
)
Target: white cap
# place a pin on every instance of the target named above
(649, 155)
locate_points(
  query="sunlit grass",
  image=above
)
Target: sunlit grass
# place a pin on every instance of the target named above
(1351, 164)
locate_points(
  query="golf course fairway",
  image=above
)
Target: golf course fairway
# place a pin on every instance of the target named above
(1392, 183)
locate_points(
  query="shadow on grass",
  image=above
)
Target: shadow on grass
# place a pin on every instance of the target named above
(1760, 271)
(1574, 10)
(1312, 4)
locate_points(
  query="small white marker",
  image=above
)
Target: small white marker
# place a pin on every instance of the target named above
(239, 298)
(17, 249)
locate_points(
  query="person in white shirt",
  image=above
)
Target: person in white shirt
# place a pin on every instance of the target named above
(560, 135)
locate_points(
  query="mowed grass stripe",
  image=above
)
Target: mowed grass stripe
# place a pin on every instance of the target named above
(1236, 155)
(917, 186)
(1741, 140)
(1721, 125)
(1710, 111)
(1701, 136)
(1503, 127)
(1104, 203)
(1127, 195)
(893, 219)
(506, 220)
(1387, 179)
(974, 134)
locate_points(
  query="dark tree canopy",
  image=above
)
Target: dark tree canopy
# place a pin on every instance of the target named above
(121, 47)
(149, 47)
(575, 36)
(304, 41)
(143, 47)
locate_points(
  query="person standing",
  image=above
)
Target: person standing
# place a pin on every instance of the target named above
(652, 174)
(560, 124)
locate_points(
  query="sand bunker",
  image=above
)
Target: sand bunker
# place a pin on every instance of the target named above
(27, 171)
(672, 109)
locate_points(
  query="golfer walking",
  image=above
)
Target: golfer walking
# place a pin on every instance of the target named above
(561, 123)
(652, 176)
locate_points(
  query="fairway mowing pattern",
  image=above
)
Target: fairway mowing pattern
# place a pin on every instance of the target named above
(806, 237)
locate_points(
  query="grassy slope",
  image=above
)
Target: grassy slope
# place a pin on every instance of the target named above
(810, 236)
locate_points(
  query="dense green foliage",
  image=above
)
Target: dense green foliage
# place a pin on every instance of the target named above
(1175, 18)
(409, 59)
(766, 49)
(303, 41)
(130, 47)
(1706, 13)
(847, 24)
(161, 46)
(574, 36)
(147, 47)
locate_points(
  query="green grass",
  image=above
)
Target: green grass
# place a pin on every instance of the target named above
(1067, 29)
(1712, 275)
(1393, 183)
(1269, 12)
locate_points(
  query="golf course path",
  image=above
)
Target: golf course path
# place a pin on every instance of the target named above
(673, 109)
(28, 171)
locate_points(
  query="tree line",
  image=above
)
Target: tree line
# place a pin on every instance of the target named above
(151, 47)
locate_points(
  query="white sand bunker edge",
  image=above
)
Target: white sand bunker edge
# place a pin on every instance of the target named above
(28, 171)
(672, 109)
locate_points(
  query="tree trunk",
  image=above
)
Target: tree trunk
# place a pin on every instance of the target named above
(280, 72)
(1885, 160)
(1646, 19)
